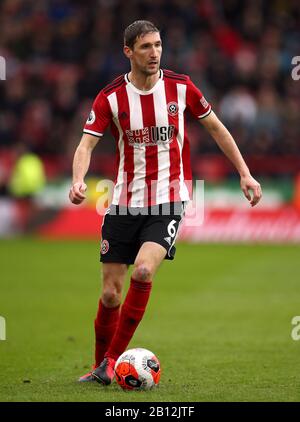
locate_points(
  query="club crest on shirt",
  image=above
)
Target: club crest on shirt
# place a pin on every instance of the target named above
(104, 246)
(91, 118)
(172, 108)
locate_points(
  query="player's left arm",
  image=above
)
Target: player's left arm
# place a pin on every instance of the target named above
(227, 144)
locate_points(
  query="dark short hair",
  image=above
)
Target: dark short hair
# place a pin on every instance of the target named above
(137, 29)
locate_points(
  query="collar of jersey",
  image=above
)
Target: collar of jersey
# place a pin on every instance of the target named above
(139, 91)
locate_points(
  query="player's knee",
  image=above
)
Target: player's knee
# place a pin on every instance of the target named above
(142, 272)
(111, 296)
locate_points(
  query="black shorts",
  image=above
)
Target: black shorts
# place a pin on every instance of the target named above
(124, 230)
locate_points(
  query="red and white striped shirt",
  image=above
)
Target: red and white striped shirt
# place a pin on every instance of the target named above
(153, 154)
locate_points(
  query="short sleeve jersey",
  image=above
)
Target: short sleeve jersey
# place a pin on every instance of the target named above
(153, 155)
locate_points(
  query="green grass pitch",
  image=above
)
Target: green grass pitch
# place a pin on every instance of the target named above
(219, 319)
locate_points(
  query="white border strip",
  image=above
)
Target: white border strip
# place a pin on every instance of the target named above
(91, 132)
(205, 114)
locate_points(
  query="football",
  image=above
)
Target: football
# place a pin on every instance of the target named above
(137, 369)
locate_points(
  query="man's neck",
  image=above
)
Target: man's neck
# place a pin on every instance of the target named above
(141, 81)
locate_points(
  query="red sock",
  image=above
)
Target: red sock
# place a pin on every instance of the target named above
(132, 312)
(105, 326)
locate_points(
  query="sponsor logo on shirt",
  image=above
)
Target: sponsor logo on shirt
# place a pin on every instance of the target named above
(153, 135)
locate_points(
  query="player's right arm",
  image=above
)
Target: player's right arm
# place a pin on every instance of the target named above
(97, 122)
(81, 163)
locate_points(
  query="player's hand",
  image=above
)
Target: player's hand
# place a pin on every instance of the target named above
(77, 193)
(250, 185)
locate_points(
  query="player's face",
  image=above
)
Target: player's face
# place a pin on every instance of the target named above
(146, 53)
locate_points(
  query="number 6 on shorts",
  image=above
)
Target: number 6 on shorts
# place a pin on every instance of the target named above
(172, 229)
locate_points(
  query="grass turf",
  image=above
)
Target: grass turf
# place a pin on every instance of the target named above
(219, 319)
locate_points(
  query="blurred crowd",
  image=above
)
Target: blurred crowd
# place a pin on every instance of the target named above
(60, 53)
